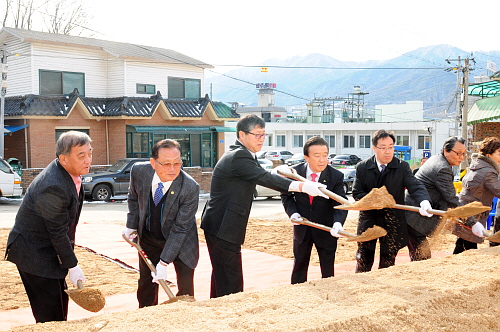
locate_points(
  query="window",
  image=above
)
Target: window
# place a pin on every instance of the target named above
(184, 88)
(424, 142)
(280, 140)
(149, 89)
(330, 139)
(402, 140)
(268, 141)
(348, 141)
(309, 136)
(364, 141)
(298, 141)
(61, 82)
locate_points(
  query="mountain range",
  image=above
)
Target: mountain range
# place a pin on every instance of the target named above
(422, 74)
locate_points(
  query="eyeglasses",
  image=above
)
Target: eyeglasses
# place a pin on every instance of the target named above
(389, 148)
(258, 136)
(459, 154)
(177, 164)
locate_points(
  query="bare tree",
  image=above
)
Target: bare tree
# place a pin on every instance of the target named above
(55, 16)
(66, 17)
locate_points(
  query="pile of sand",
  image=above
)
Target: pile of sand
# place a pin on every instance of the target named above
(456, 293)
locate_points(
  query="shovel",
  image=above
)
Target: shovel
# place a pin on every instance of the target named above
(144, 256)
(370, 234)
(90, 299)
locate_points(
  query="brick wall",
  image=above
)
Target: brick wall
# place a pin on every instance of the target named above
(201, 175)
(485, 129)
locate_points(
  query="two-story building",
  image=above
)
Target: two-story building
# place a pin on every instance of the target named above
(125, 96)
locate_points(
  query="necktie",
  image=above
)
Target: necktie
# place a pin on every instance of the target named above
(158, 193)
(313, 178)
(382, 168)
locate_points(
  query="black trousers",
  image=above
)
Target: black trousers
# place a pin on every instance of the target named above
(496, 228)
(147, 290)
(302, 256)
(365, 256)
(462, 245)
(48, 300)
(418, 246)
(227, 269)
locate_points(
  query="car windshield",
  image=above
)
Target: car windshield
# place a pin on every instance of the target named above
(4, 167)
(298, 156)
(347, 172)
(341, 157)
(118, 166)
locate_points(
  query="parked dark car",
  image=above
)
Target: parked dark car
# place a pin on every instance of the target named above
(349, 174)
(101, 186)
(345, 160)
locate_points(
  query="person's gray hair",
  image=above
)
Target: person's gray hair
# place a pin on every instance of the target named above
(248, 123)
(450, 143)
(70, 139)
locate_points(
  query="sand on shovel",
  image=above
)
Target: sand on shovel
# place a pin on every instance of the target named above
(376, 199)
(90, 299)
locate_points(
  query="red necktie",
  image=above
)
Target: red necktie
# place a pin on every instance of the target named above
(313, 178)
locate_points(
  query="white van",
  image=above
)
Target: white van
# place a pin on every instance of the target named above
(10, 181)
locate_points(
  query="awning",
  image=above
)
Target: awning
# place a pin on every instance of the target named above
(8, 130)
(484, 110)
(166, 129)
(485, 89)
(224, 129)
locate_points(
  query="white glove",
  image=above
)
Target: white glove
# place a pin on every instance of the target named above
(424, 206)
(478, 229)
(312, 189)
(336, 228)
(75, 274)
(161, 272)
(281, 168)
(128, 233)
(295, 217)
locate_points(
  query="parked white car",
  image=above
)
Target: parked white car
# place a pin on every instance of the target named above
(10, 181)
(261, 191)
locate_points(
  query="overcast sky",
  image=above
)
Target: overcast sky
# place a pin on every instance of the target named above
(224, 32)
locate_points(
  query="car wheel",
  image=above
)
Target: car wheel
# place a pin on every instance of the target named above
(102, 192)
(346, 188)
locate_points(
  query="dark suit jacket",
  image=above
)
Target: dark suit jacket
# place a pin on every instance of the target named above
(321, 211)
(178, 222)
(437, 177)
(231, 193)
(42, 239)
(396, 177)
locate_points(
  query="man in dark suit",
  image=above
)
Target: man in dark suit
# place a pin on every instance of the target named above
(383, 169)
(317, 209)
(225, 217)
(41, 243)
(163, 201)
(437, 177)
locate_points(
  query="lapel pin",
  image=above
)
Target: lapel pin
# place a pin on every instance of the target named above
(172, 192)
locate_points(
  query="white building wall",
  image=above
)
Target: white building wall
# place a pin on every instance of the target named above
(19, 61)
(411, 111)
(439, 132)
(116, 77)
(157, 74)
(91, 62)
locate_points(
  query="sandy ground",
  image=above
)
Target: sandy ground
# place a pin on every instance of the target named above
(444, 294)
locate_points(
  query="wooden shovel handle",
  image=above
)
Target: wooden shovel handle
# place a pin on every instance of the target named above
(323, 227)
(325, 191)
(417, 209)
(150, 265)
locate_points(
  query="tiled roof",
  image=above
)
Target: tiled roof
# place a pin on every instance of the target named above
(35, 105)
(224, 111)
(123, 50)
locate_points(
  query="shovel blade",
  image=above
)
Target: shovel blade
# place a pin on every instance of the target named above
(88, 298)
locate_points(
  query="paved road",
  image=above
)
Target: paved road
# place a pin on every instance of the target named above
(116, 211)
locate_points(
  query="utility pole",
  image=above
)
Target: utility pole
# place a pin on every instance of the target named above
(462, 103)
(3, 85)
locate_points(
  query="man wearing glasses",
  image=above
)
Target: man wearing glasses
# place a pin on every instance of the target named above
(225, 218)
(437, 177)
(383, 169)
(162, 202)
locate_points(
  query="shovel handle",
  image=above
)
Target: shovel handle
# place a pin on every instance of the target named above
(323, 227)
(146, 259)
(417, 209)
(325, 191)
